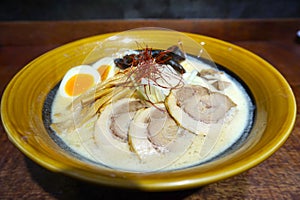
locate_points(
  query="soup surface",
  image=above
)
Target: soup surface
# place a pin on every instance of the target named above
(152, 114)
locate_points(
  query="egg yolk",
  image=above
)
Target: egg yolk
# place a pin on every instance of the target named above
(103, 70)
(78, 84)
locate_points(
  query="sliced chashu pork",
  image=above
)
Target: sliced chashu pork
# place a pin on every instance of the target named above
(111, 132)
(157, 139)
(197, 109)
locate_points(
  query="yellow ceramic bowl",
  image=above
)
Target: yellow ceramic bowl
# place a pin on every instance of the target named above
(23, 100)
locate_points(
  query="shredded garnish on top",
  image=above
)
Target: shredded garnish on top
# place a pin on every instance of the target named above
(152, 68)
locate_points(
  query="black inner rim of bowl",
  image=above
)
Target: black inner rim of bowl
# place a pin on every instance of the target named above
(46, 114)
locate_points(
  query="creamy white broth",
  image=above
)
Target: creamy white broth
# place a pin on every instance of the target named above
(201, 148)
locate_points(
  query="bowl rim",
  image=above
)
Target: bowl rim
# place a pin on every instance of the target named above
(180, 179)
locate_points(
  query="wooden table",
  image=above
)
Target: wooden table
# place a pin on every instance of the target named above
(274, 40)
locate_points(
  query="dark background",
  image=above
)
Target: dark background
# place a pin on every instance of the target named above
(141, 9)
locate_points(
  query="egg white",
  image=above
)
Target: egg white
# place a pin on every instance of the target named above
(106, 61)
(81, 69)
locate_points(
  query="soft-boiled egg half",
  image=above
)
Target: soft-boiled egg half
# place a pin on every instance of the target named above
(106, 67)
(78, 80)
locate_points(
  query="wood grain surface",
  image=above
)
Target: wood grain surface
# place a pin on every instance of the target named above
(278, 177)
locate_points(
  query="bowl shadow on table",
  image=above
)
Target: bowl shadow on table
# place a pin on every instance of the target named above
(61, 186)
